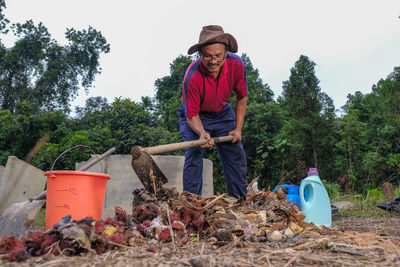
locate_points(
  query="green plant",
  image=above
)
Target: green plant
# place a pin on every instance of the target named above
(397, 190)
(375, 195)
(394, 161)
(40, 219)
(339, 223)
(333, 189)
(366, 204)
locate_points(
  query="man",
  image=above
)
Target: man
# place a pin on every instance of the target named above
(205, 113)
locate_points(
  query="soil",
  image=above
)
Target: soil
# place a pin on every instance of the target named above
(351, 241)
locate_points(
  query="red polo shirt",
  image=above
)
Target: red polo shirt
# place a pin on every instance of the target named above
(202, 92)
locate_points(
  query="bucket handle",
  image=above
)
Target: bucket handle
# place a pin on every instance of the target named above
(84, 146)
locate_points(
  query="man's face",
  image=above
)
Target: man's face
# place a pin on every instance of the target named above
(213, 57)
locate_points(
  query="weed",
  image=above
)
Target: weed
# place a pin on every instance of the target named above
(397, 191)
(40, 219)
(366, 205)
(339, 223)
(333, 189)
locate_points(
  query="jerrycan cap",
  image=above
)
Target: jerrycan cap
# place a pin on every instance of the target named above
(313, 175)
(312, 171)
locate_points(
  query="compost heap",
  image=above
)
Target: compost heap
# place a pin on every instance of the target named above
(167, 217)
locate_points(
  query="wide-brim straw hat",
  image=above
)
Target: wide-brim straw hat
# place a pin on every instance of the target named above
(214, 34)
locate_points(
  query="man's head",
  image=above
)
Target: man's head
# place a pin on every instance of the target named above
(214, 34)
(213, 56)
(213, 46)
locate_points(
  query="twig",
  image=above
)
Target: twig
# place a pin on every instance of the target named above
(357, 247)
(189, 205)
(291, 260)
(269, 263)
(65, 249)
(323, 259)
(55, 244)
(202, 249)
(170, 228)
(349, 251)
(120, 245)
(322, 243)
(153, 179)
(267, 258)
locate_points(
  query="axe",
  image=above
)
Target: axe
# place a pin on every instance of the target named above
(147, 170)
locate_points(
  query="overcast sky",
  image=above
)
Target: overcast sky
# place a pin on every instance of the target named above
(353, 42)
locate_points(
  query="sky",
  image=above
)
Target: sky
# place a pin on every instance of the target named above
(354, 43)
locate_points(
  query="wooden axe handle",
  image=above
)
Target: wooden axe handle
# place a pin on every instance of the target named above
(95, 160)
(176, 146)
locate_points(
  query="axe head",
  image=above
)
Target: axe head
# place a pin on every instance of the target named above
(147, 170)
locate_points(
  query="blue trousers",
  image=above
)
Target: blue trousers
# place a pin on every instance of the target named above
(232, 156)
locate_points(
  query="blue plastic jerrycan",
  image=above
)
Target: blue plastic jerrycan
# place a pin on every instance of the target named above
(293, 193)
(314, 199)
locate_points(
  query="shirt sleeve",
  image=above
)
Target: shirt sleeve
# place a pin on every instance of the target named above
(192, 99)
(241, 88)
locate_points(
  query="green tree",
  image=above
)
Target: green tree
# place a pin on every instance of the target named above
(169, 92)
(310, 120)
(20, 132)
(94, 113)
(3, 20)
(47, 156)
(259, 92)
(39, 69)
(352, 144)
(389, 93)
(122, 123)
(369, 134)
(264, 149)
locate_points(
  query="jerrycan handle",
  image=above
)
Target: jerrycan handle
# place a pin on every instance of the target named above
(305, 204)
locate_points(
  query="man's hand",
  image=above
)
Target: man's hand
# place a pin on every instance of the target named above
(241, 104)
(207, 136)
(237, 135)
(196, 125)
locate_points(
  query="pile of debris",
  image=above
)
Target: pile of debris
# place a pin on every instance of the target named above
(167, 216)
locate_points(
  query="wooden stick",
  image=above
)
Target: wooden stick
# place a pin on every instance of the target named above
(97, 159)
(170, 228)
(177, 146)
(290, 261)
(153, 179)
(120, 245)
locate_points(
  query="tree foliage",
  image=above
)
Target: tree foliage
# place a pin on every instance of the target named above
(259, 92)
(3, 20)
(369, 145)
(38, 69)
(169, 92)
(309, 122)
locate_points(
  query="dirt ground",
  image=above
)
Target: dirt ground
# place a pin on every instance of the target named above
(350, 241)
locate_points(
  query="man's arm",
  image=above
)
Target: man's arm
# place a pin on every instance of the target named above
(197, 127)
(241, 105)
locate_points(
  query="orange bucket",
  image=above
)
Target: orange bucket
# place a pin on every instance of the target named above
(77, 193)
